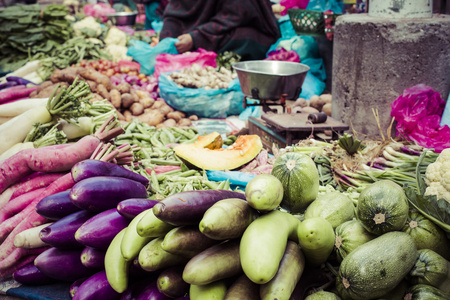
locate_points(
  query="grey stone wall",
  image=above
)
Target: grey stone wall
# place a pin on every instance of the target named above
(375, 59)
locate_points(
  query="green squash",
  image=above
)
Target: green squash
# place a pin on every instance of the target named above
(427, 235)
(376, 267)
(382, 207)
(425, 292)
(349, 236)
(432, 269)
(300, 178)
(335, 207)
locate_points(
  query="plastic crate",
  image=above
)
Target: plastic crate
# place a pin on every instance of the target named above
(310, 22)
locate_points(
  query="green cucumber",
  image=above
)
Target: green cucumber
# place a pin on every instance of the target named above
(376, 267)
(243, 288)
(116, 267)
(349, 236)
(213, 291)
(427, 235)
(432, 269)
(215, 263)
(263, 244)
(291, 268)
(186, 241)
(382, 207)
(152, 257)
(150, 226)
(316, 238)
(132, 242)
(227, 219)
(334, 207)
(425, 292)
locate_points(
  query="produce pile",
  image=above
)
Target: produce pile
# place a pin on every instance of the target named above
(108, 189)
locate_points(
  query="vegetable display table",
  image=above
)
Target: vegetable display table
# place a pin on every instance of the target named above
(287, 129)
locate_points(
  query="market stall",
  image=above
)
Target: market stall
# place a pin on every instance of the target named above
(131, 171)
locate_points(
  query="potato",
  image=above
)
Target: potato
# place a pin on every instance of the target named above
(326, 98)
(43, 85)
(116, 98)
(124, 87)
(170, 123)
(158, 103)
(300, 102)
(134, 94)
(92, 85)
(98, 77)
(65, 75)
(127, 100)
(176, 115)
(316, 102)
(142, 94)
(103, 91)
(137, 109)
(185, 122)
(152, 117)
(327, 109)
(165, 109)
(96, 97)
(120, 116)
(128, 115)
(147, 102)
(193, 118)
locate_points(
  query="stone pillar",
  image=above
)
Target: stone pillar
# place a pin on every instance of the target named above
(376, 58)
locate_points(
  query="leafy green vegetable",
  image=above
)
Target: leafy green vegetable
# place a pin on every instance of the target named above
(437, 210)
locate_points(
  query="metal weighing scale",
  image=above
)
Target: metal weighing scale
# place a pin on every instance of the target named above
(272, 83)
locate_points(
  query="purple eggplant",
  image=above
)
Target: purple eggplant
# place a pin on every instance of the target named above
(151, 292)
(92, 168)
(105, 192)
(29, 274)
(187, 208)
(130, 208)
(170, 282)
(93, 258)
(56, 206)
(64, 265)
(96, 287)
(99, 231)
(73, 288)
(7, 84)
(133, 291)
(19, 80)
(61, 234)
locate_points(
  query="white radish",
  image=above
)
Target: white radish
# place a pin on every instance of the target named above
(29, 238)
(16, 130)
(13, 109)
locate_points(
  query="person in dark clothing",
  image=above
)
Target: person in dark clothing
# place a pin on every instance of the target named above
(245, 27)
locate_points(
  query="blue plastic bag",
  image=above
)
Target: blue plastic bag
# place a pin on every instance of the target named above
(214, 103)
(323, 5)
(145, 54)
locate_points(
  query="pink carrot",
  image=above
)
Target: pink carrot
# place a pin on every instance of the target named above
(18, 254)
(43, 180)
(29, 217)
(19, 203)
(53, 159)
(162, 169)
(8, 193)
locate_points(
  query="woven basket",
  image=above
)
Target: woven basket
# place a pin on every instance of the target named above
(309, 22)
